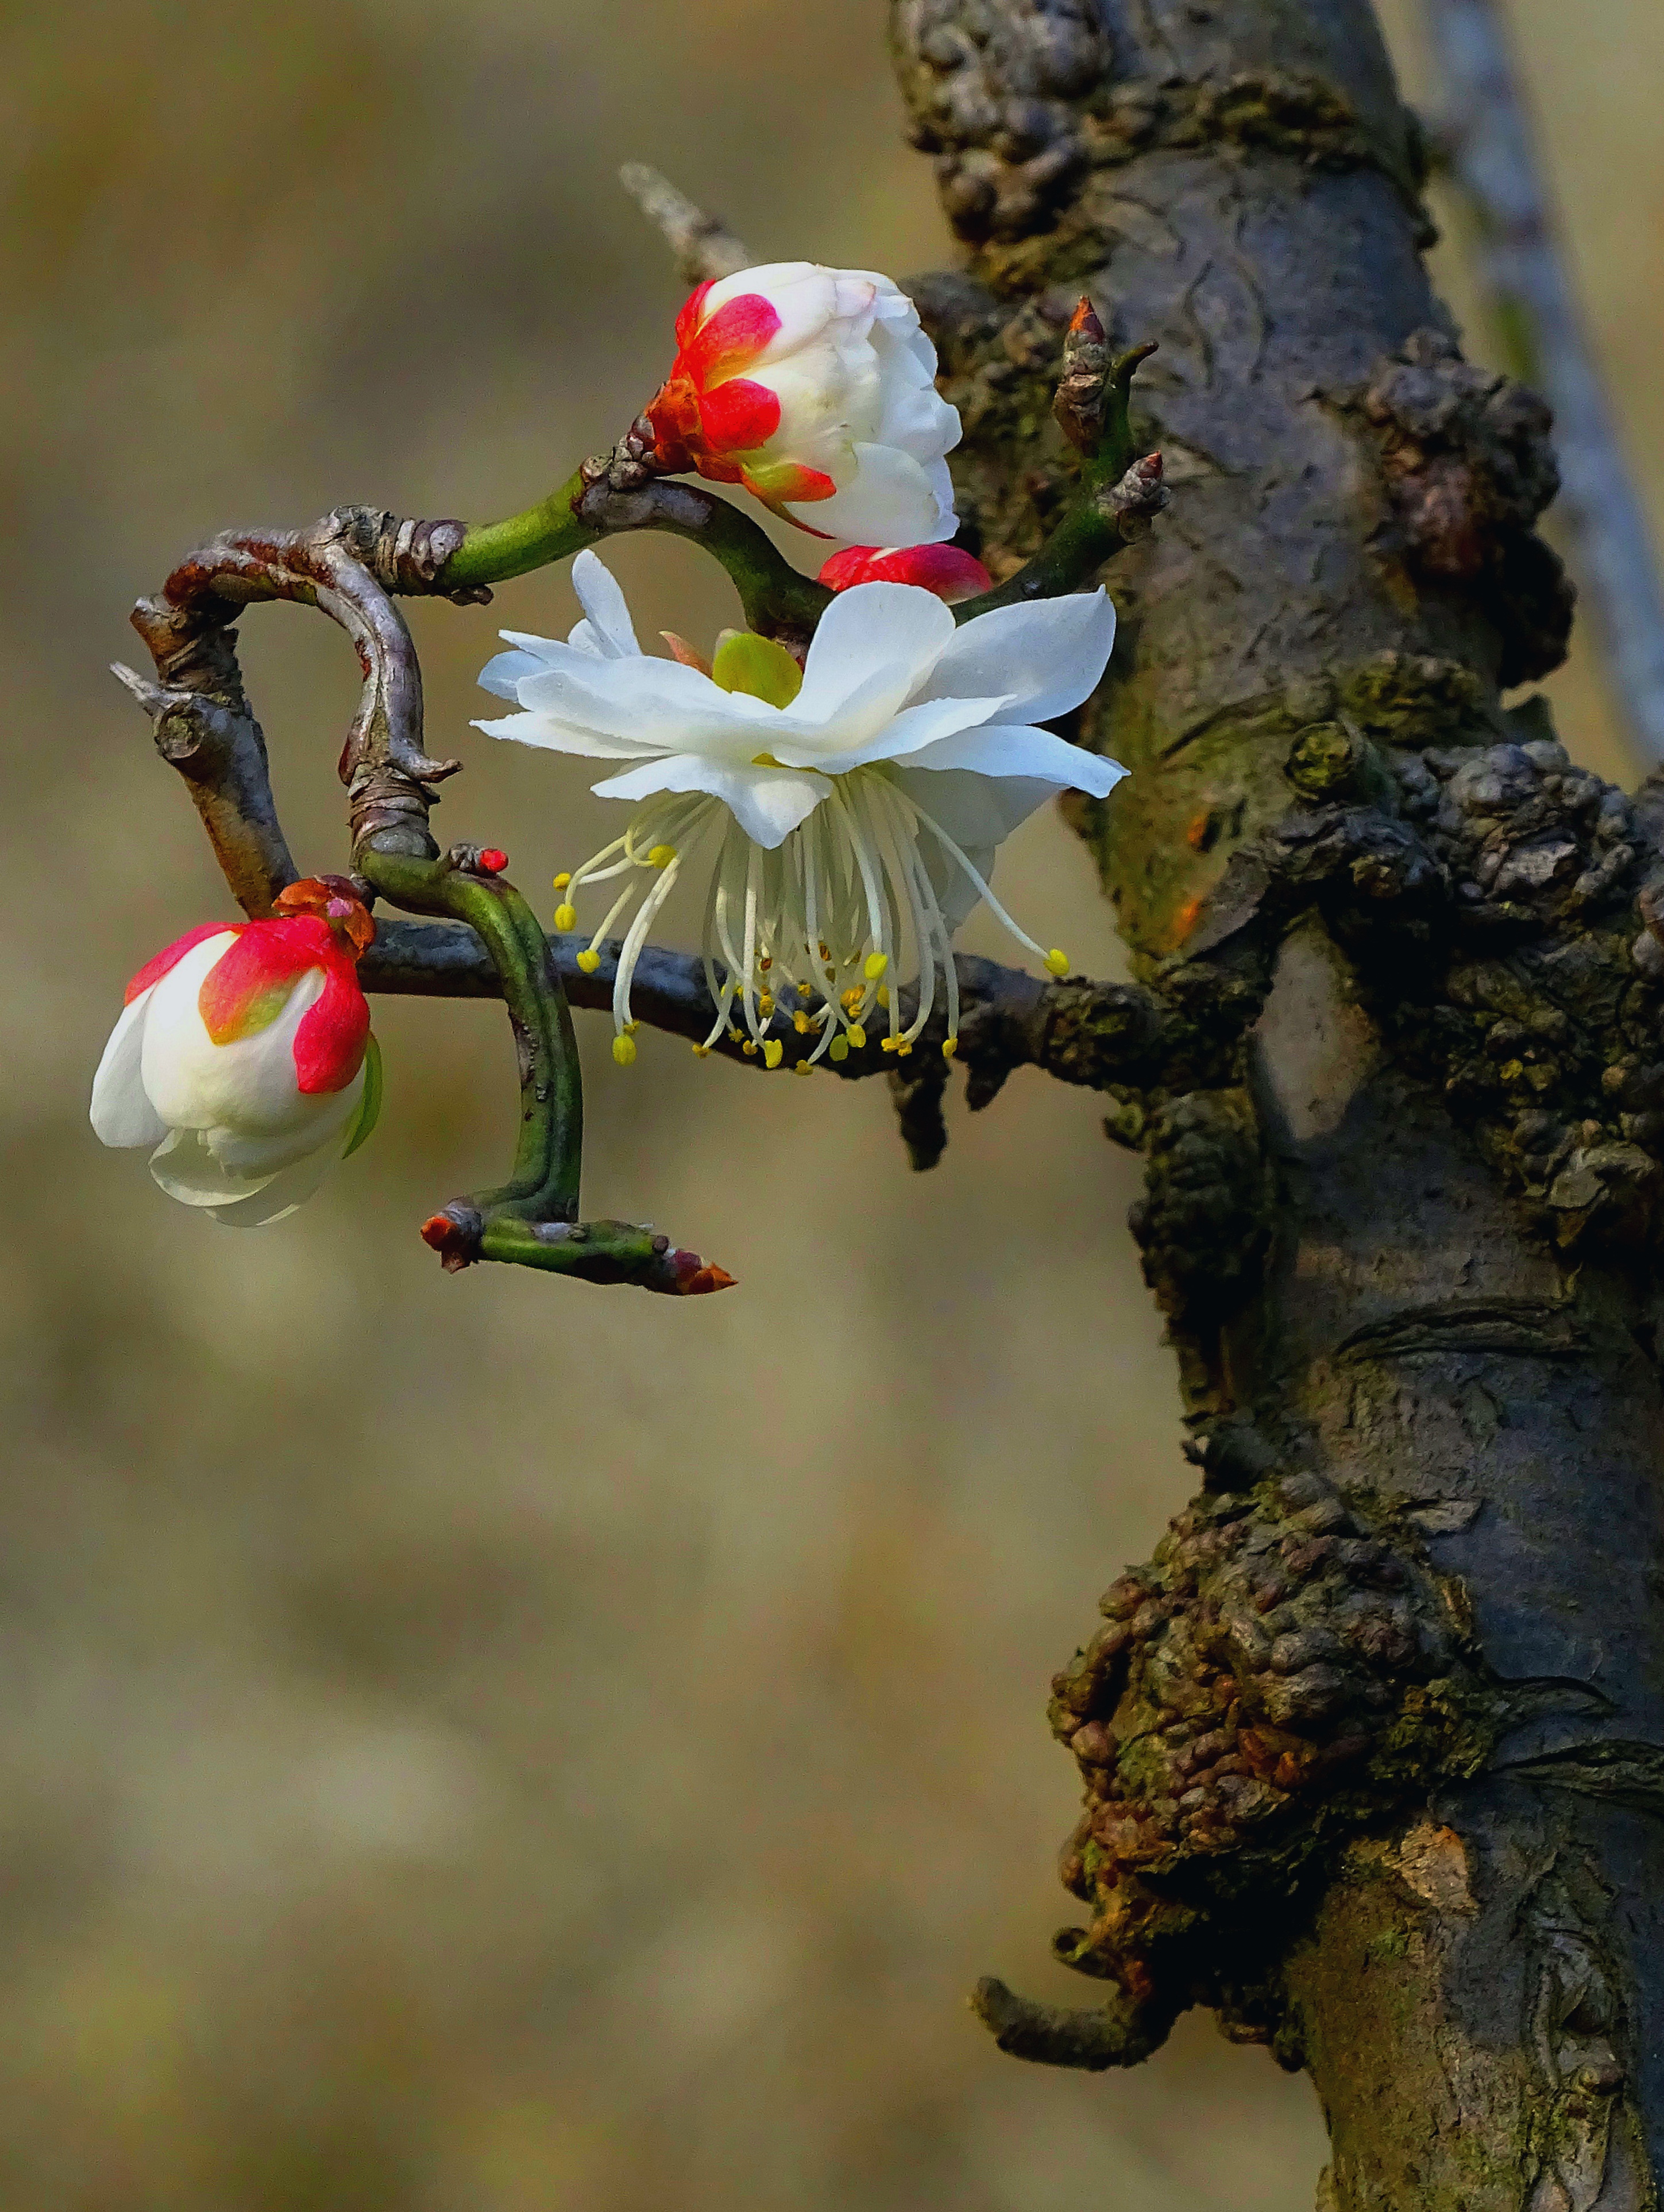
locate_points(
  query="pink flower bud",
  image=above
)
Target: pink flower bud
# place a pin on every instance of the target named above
(243, 1056)
(947, 570)
(815, 389)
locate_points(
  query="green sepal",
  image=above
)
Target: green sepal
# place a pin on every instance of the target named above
(757, 665)
(369, 1106)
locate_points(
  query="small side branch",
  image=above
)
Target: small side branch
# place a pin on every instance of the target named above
(1488, 145)
(704, 247)
(211, 735)
(1091, 2039)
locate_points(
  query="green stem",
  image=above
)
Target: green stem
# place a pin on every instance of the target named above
(544, 1185)
(492, 552)
(778, 600)
(1090, 534)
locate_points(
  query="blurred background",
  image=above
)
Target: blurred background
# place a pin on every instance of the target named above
(481, 1745)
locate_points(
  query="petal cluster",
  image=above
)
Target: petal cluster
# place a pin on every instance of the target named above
(814, 389)
(244, 1057)
(850, 817)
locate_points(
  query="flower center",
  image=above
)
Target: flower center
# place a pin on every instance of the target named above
(812, 935)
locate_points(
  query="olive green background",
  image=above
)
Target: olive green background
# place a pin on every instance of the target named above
(483, 1745)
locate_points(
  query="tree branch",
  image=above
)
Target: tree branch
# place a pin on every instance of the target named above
(1101, 1036)
(1487, 144)
(704, 247)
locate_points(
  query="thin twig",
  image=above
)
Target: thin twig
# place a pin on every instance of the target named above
(704, 247)
(1488, 144)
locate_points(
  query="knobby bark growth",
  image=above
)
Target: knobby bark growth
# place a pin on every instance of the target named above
(1372, 1748)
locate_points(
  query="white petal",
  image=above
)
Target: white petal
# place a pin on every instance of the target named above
(871, 639)
(604, 603)
(187, 1169)
(1050, 654)
(893, 500)
(558, 737)
(767, 803)
(803, 295)
(646, 706)
(902, 735)
(287, 1190)
(250, 1085)
(264, 1153)
(121, 1110)
(1010, 749)
(503, 674)
(913, 414)
(978, 813)
(976, 810)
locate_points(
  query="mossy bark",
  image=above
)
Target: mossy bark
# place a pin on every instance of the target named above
(1476, 1981)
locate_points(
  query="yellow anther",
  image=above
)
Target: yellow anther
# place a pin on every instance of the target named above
(804, 992)
(566, 917)
(875, 966)
(750, 1047)
(589, 961)
(661, 856)
(765, 1005)
(563, 880)
(772, 1050)
(902, 1048)
(857, 1036)
(701, 1051)
(802, 1067)
(733, 1034)
(800, 1023)
(887, 1044)
(630, 1028)
(1057, 962)
(623, 1050)
(950, 1045)
(884, 994)
(839, 1048)
(831, 974)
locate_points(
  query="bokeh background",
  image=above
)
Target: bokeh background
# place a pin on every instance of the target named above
(482, 1745)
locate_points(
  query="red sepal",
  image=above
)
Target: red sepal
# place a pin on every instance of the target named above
(251, 985)
(154, 970)
(948, 570)
(729, 340)
(738, 417)
(692, 314)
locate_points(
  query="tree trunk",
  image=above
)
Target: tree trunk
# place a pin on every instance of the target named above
(1372, 1748)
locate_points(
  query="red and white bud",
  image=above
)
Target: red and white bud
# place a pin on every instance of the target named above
(948, 570)
(243, 1056)
(816, 390)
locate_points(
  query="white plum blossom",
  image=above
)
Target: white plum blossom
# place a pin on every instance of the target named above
(815, 389)
(243, 1056)
(846, 814)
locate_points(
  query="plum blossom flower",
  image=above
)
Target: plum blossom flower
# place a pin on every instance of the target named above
(948, 570)
(244, 1055)
(846, 814)
(815, 389)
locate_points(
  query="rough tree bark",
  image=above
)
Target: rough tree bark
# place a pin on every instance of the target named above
(1372, 1749)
